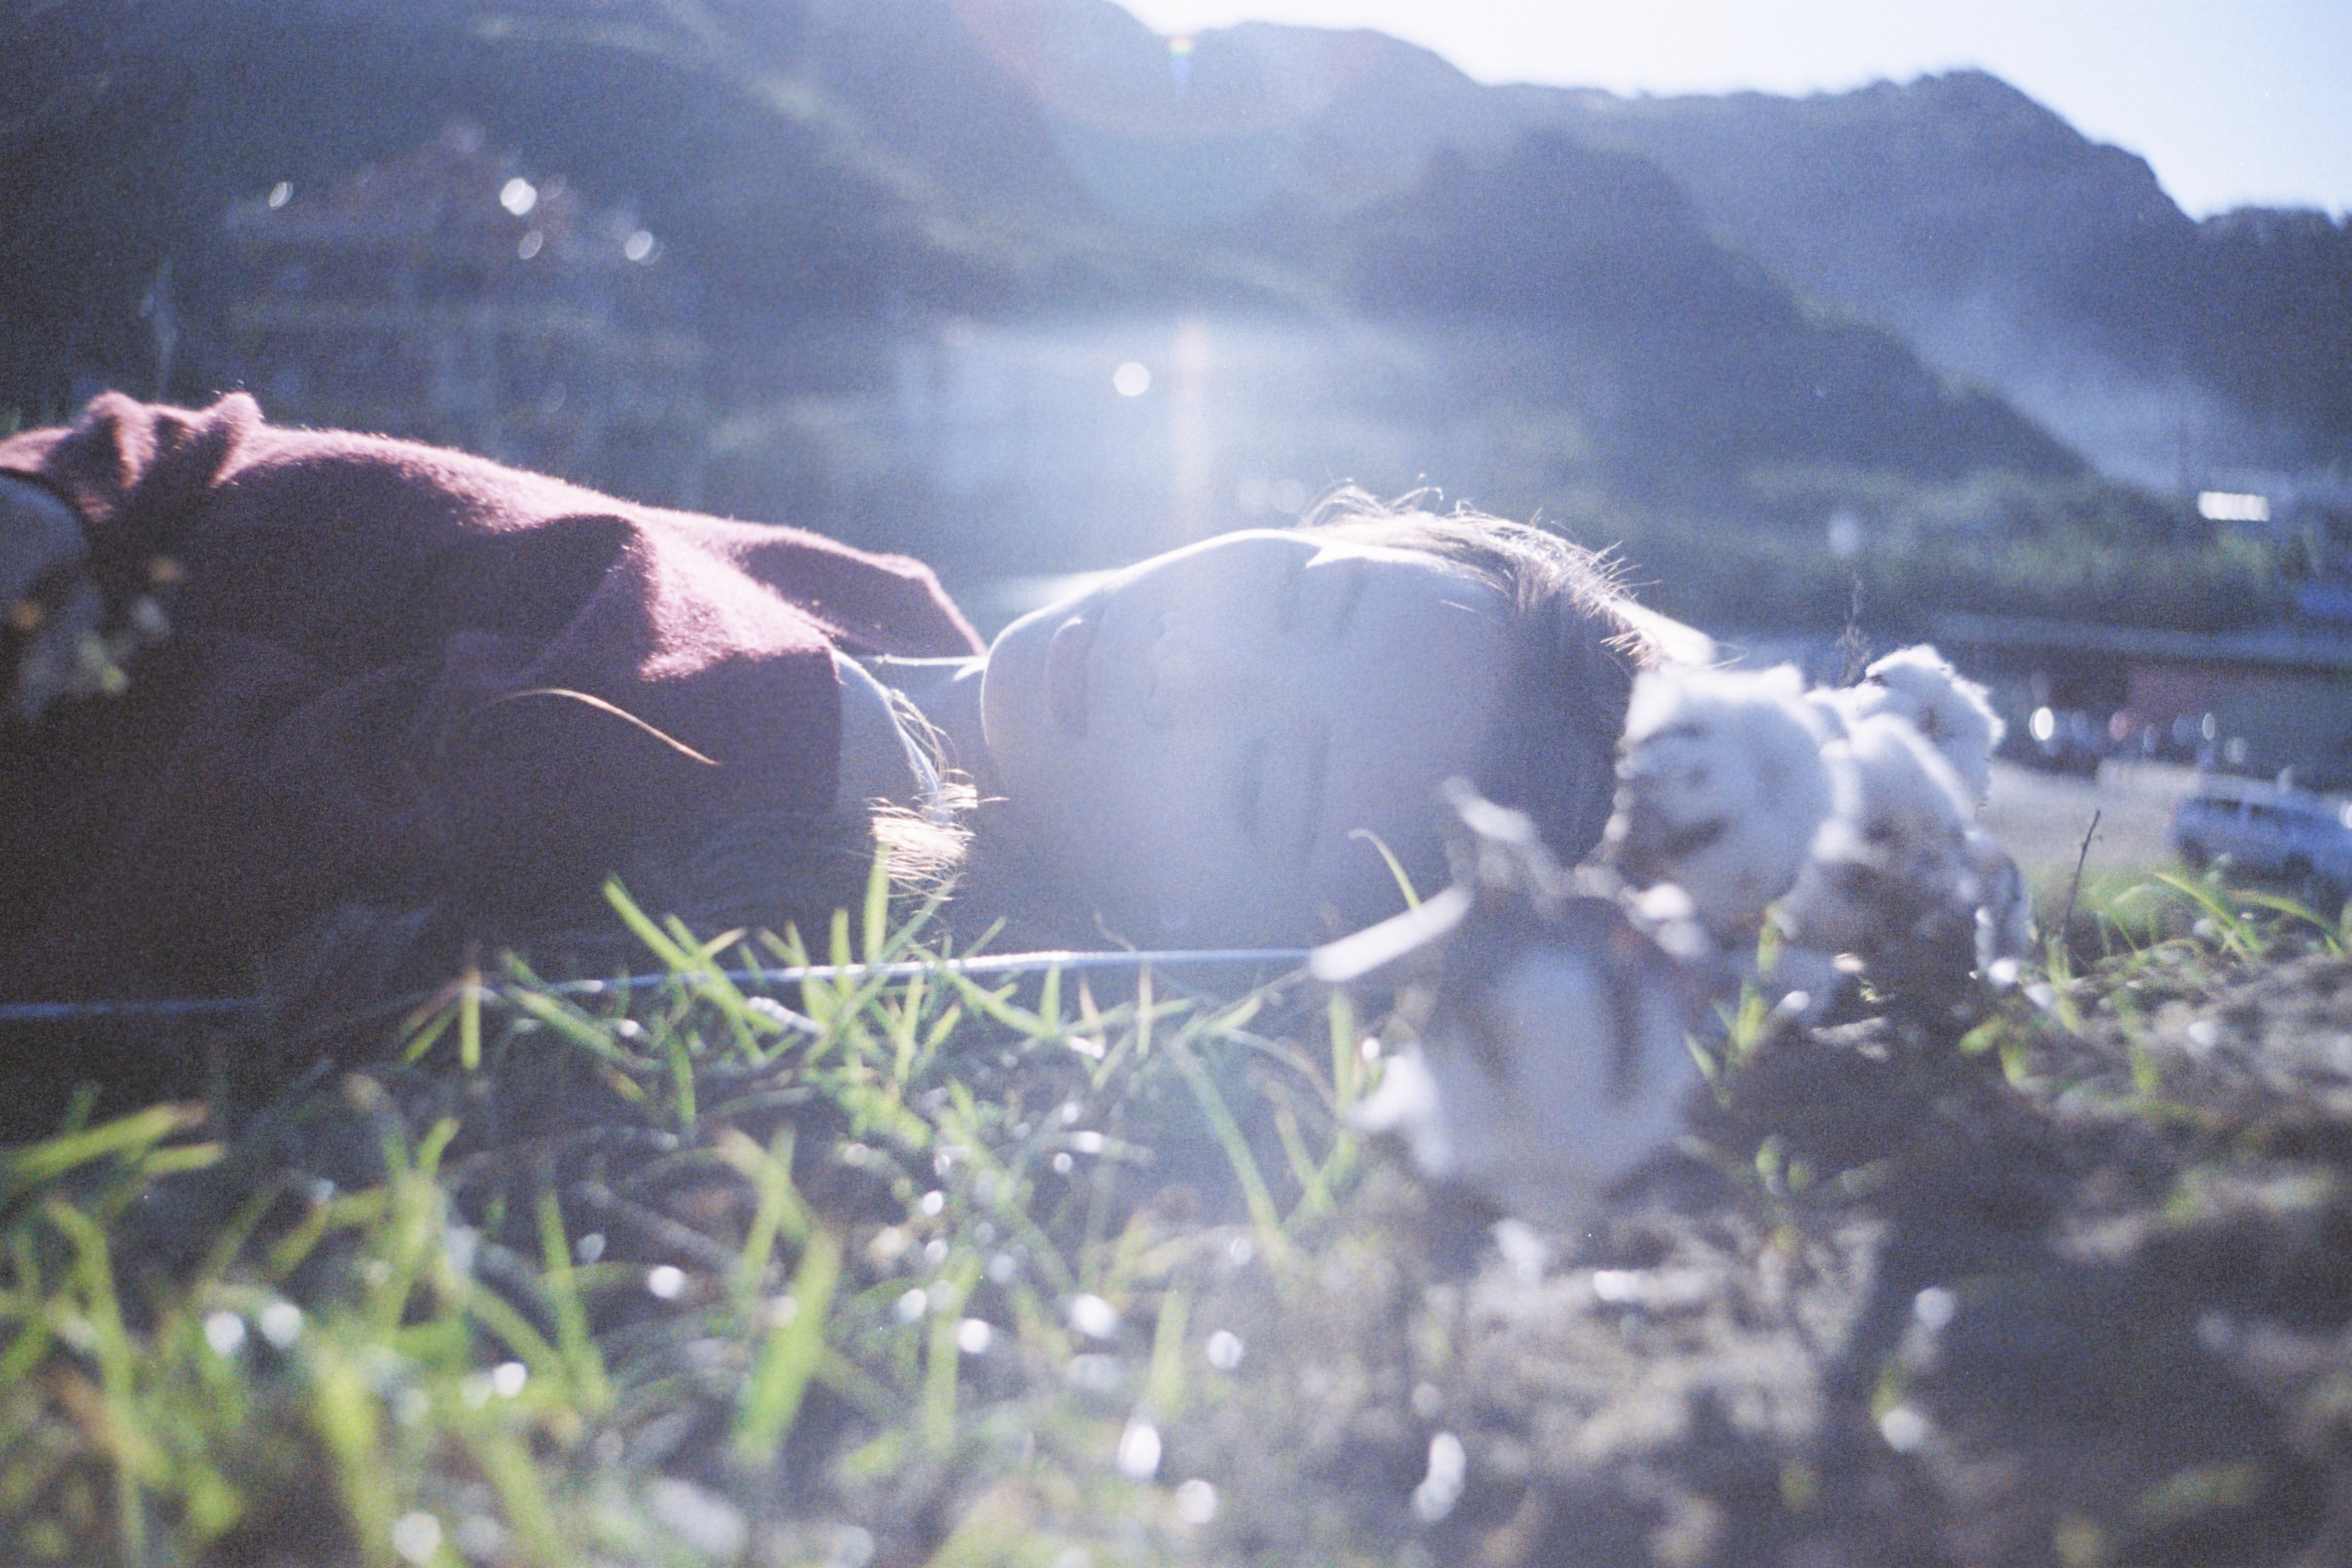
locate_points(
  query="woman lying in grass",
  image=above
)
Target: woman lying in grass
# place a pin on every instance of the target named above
(405, 680)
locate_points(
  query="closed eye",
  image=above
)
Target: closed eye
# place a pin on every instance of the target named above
(1349, 597)
(1286, 595)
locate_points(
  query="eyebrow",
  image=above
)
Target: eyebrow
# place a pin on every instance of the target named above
(1294, 583)
(1319, 758)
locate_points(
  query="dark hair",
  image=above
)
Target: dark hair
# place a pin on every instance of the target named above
(1576, 642)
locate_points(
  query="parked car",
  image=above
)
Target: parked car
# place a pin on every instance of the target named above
(2290, 834)
(2062, 739)
(2191, 738)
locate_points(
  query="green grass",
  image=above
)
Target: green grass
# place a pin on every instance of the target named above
(672, 1278)
(668, 1280)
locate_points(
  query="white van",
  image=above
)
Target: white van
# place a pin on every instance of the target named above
(2286, 833)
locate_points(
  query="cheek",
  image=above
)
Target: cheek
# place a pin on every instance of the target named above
(1153, 846)
(1144, 824)
(1014, 724)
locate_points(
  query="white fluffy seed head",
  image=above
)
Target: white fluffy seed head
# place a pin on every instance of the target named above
(1720, 789)
(1834, 709)
(1576, 1076)
(1955, 716)
(1894, 858)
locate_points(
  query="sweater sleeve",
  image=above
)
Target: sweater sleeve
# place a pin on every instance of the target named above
(400, 673)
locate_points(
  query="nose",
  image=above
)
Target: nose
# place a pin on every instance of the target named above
(1199, 671)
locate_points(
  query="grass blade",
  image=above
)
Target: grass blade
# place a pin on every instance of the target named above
(794, 1348)
(1229, 1134)
(1395, 866)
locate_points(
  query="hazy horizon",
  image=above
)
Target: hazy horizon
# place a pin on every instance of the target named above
(2232, 105)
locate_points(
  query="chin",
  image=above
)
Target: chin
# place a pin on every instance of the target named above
(1152, 933)
(1014, 721)
(1036, 773)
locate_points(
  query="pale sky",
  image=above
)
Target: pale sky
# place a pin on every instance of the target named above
(2232, 101)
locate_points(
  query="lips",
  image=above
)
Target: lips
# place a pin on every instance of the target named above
(1067, 656)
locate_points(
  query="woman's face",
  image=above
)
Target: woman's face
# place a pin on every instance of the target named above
(1196, 746)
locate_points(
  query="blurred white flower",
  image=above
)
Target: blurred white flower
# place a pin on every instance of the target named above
(1571, 1073)
(1952, 715)
(1554, 1057)
(1721, 788)
(1891, 867)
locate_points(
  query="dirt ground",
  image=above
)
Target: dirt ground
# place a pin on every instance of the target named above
(2041, 816)
(2071, 1286)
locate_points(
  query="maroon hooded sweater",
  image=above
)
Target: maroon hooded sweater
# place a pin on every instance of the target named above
(357, 704)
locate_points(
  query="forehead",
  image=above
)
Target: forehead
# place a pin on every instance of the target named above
(1407, 698)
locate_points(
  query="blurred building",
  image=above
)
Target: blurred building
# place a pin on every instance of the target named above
(453, 298)
(2265, 699)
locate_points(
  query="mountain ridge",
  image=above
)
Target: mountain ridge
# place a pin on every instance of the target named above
(2001, 243)
(2005, 245)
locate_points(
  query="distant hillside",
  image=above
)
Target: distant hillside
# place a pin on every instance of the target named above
(899, 154)
(2005, 246)
(1688, 363)
(1314, 164)
(901, 157)
(2009, 247)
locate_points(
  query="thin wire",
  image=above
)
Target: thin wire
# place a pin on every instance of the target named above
(906, 968)
(73, 1012)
